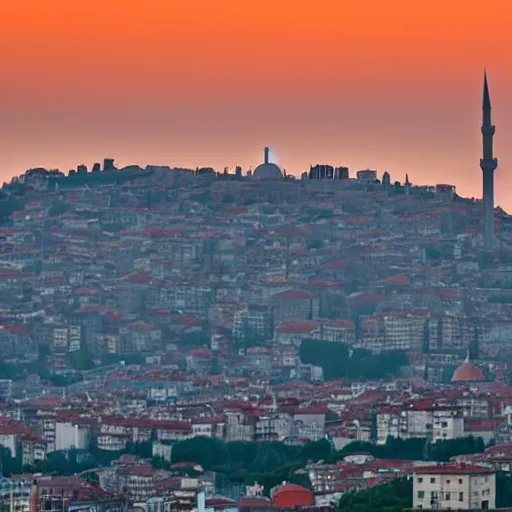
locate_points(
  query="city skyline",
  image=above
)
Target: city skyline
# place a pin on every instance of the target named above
(308, 82)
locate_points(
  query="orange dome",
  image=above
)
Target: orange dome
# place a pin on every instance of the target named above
(292, 495)
(468, 372)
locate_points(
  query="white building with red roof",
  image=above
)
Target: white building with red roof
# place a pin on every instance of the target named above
(454, 487)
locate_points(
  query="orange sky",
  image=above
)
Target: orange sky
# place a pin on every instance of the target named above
(388, 84)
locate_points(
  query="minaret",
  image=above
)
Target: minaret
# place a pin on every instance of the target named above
(488, 164)
(266, 155)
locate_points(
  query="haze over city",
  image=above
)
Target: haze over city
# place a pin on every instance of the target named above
(389, 85)
(255, 257)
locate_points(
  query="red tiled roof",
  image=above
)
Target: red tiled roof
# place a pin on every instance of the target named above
(364, 299)
(399, 279)
(478, 425)
(142, 325)
(15, 329)
(254, 503)
(142, 470)
(453, 469)
(298, 327)
(294, 294)
(347, 324)
(336, 264)
(86, 291)
(201, 353)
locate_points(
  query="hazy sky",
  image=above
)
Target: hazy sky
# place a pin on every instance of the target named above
(394, 85)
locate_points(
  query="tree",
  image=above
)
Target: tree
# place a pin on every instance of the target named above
(414, 449)
(207, 451)
(81, 360)
(316, 450)
(10, 465)
(395, 496)
(503, 490)
(338, 363)
(59, 208)
(332, 357)
(314, 243)
(8, 206)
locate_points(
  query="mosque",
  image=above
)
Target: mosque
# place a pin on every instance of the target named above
(268, 170)
(468, 373)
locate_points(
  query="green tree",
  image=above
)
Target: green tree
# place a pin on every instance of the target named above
(314, 243)
(332, 357)
(414, 449)
(10, 465)
(338, 363)
(8, 206)
(59, 208)
(207, 451)
(503, 490)
(316, 450)
(81, 360)
(395, 496)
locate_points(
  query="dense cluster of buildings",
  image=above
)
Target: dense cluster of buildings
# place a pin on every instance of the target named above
(156, 305)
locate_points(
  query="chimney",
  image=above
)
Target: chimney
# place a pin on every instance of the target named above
(266, 155)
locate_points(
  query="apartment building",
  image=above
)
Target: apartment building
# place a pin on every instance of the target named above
(454, 487)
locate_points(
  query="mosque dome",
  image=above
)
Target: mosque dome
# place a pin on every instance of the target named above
(468, 372)
(268, 170)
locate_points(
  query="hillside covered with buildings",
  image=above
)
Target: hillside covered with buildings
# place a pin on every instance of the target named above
(145, 307)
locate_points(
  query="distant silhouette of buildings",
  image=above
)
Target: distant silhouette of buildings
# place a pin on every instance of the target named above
(328, 172)
(108, 164)
(367, 176)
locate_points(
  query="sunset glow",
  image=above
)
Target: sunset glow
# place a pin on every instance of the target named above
(393, 85)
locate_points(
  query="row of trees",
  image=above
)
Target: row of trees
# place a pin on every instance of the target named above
(339, 362)
(272, 463)
(214, 454)
(69, 462)
(415, 449)
(268, 463)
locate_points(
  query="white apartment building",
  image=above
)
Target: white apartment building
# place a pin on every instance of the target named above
(67, 338)
(448, 424)
(394, 331)
(274, 427)
(72, 434)
(454, 487)
(419, 420)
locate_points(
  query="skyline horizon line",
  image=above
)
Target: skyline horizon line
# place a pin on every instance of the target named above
(296, 178)
(247, 168)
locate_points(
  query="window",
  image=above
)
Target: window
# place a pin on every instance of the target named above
(448, 482)
(460, 481)
(461, 496)
(420, 480)
(444, 424)
(421, 495)
(432, 480)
